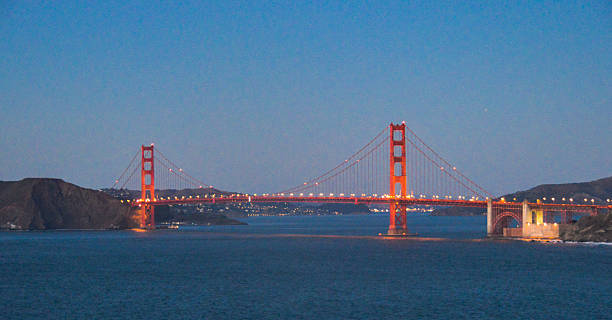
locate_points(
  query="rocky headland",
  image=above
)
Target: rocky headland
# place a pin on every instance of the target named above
(44, 203)
(589, 228)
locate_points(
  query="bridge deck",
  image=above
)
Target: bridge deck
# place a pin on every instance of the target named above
(364, 200)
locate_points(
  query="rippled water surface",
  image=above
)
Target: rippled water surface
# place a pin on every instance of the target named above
(331, 267)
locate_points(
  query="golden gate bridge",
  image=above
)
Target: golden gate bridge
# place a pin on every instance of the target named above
(395, 168)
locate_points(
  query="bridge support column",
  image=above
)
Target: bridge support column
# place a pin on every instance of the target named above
(397, 176)
(526, 214)
(489, 216)
(525, 227)
(147, 186)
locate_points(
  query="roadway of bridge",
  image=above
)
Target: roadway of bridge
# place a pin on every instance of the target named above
(409, 201)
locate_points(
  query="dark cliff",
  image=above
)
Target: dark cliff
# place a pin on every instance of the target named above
(41, 203)
(589, 228)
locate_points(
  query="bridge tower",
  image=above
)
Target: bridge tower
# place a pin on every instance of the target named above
(147, 185)
(397, 177)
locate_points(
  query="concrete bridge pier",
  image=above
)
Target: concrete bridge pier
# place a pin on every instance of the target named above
(526, 215)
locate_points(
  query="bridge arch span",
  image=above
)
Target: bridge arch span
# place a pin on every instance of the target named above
(503, 220)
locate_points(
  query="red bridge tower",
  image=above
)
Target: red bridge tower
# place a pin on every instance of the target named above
(147, 185)
(397, 177)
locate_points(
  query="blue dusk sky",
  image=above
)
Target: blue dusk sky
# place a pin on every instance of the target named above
(257, 96)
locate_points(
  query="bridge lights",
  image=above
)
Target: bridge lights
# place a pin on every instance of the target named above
(301, 194)
(363, 194)
(352, 194)
(320, 194)
(310, 194)
(571, 200)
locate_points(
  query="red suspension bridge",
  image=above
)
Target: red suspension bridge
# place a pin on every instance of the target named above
(396, 168)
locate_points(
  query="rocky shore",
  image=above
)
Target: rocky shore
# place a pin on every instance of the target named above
(589, 228)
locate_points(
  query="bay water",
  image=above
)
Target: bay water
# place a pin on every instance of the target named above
(305, 267)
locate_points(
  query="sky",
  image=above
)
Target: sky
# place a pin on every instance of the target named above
(257, 96)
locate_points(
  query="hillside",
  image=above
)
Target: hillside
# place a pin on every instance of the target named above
(191, 215)
(345, 208)
(135, 194)
(41, 203)
(588, 228)
(599, 190)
